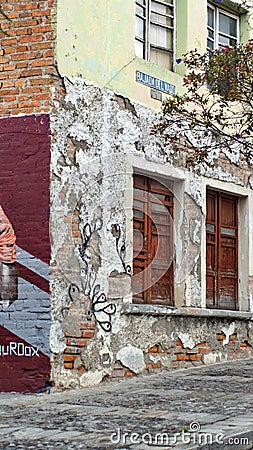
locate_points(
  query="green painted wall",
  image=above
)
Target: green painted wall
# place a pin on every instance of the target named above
(95, 41)
(191, 30)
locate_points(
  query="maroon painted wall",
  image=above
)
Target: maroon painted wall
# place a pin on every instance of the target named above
(24, 180)
(23, 368)
(24, 197)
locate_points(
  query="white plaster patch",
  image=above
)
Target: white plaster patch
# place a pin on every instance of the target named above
(210, 358)
(195, 231)
(228, 332)
(165, 360)
(186, 340)
(193, 288)
(57, 339)
(132, 357)
(91, 378)
(251, 181)
(220, 174)
(195, 191)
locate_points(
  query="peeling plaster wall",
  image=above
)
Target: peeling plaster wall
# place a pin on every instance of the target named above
(96, 133)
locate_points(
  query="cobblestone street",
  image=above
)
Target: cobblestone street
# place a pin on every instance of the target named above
(157, 411)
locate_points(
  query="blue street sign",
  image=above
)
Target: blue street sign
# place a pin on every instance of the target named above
(155, 83)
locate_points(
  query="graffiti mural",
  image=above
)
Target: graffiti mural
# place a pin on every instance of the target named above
(25, 316)
(8, 256)
(100, 308)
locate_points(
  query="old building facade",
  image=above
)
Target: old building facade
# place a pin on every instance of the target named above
(150, 263)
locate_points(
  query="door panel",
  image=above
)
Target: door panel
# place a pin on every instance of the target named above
(153, 242)
(221, 251)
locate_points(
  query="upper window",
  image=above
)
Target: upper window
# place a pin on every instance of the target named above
(222, 28)
(154, 31)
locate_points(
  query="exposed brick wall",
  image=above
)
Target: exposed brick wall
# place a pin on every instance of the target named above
(75, 345)
(27, 70)
(185, 358)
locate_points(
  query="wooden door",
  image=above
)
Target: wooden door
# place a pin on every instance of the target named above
(221, 251)
(153, 242)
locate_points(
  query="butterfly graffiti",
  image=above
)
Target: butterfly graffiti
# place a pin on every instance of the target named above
(101, 309)
(99, 306)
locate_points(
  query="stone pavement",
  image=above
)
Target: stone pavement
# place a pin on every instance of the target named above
(208, 408)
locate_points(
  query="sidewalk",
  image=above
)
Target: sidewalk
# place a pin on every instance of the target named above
(208, 407)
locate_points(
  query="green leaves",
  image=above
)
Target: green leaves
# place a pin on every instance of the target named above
(218, 102)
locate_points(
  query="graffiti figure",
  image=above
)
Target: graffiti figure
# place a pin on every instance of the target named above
(8, 255)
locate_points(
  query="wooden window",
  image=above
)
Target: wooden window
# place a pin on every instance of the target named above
(221, 251)
(154, 31)
(153, 242)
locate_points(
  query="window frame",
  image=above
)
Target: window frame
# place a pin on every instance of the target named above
(217, 11)
(147, 46)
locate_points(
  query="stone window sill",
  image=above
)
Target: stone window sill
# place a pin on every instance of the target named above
(158, 310)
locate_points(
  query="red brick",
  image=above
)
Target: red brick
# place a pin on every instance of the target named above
(128, 373)
(244, 344)
(10, 98)
(87, 334)
(34, 38)
(40, 81)
(154, 349)
(42, 62)
(20, 82)
(25, 6)
(204, 350)
(40, 46)
(68, 365)
(31, 73)
(181, 357)
(22, 65)
(82, 342)
(8, 41)
(46, 12)
(48, 54)
(4, 92)
(194, 357)
(24, 23)
(220, 337)
(42, 28)
(13, 15)
(69, 358)
(23, 32)
(81, 370)
(24, 56)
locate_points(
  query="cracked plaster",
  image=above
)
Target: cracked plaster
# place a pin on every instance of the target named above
(104, 134)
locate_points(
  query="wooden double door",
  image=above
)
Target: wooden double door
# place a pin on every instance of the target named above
(153, 277)
(221, 251)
